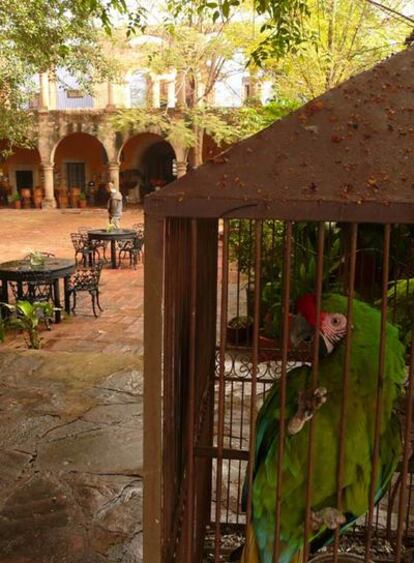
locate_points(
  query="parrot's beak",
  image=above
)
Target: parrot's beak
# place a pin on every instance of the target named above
(300, 331)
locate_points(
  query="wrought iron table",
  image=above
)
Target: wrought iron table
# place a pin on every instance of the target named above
(113, 236)
(51, 271)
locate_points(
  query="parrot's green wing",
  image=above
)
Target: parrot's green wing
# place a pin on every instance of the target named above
(359, 440)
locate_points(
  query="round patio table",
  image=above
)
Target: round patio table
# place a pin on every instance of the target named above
(112, 236)
(51, 271)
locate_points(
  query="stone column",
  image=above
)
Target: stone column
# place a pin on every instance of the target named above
(171, 94)
(111, 104)
(181, 93)
(49, 200)
(44, 91)
(113, 169)
(156, 97)
(181, 168)
(52, 91)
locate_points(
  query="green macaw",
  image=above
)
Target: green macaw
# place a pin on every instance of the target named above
(326, 401)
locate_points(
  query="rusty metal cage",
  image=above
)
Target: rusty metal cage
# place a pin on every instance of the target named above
(229, 250)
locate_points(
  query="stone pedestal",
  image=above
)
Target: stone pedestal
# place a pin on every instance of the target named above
(181, 168)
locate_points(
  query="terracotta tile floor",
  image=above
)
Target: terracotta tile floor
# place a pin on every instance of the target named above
(120, 326)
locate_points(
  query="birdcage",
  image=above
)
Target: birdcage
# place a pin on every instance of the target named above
(321, 203)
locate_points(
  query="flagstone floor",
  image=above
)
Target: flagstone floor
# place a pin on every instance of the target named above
(71, 414)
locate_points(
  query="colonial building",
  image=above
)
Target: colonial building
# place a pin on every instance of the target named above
(77, 145)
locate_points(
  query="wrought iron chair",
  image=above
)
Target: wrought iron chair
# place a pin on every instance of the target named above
(86, 279)
(98, 245)
(88, 252)
(132, 248)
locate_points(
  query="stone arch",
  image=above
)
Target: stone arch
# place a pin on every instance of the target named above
(79, 156)
(143, 158)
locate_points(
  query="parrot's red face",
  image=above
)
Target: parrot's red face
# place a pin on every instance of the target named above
(332, 326)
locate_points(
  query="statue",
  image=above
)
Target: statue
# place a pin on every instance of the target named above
(114, 206)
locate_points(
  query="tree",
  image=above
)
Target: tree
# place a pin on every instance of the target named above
(346, 37)
(38, 35)
(201, 53)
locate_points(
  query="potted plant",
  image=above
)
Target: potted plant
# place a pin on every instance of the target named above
(239, 330)
(16, 201)
(36, 258)
(27, 316)
(82, 200)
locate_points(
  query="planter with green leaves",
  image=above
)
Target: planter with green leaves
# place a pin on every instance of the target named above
(27, 317)
(16, 201)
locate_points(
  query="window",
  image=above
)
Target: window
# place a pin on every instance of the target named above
(74, 94)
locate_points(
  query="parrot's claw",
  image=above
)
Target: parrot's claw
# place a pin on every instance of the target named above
(329, 517)
(308, 403)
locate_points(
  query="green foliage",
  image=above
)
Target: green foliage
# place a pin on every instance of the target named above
(282, 21)
(43, 35)
(344, 37)
(26, 317)
(36, 258)
(15, 197)
(304, 253)
(401, 308)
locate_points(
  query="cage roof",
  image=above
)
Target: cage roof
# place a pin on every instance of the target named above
(347, 155)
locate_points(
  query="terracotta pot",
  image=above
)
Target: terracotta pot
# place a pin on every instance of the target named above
(62, 200)
(73, 200)
(37, 201)
(17, 204)
(82, 203)
(25, 193)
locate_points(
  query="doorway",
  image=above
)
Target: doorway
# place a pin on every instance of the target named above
(76, 175)
(24, 179)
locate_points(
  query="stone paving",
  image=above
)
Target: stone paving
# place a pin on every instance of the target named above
(71, 414)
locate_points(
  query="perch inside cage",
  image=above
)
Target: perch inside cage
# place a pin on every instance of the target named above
(294, 443)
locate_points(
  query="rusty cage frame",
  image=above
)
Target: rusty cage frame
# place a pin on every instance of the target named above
(187, 458)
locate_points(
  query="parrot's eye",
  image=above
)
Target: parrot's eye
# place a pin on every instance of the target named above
(338, 321)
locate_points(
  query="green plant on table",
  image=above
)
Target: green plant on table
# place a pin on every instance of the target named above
(36, 258)
(27, 316)
(110, 228)
(15, 197)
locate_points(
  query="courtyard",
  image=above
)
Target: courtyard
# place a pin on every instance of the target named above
(70, 439)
